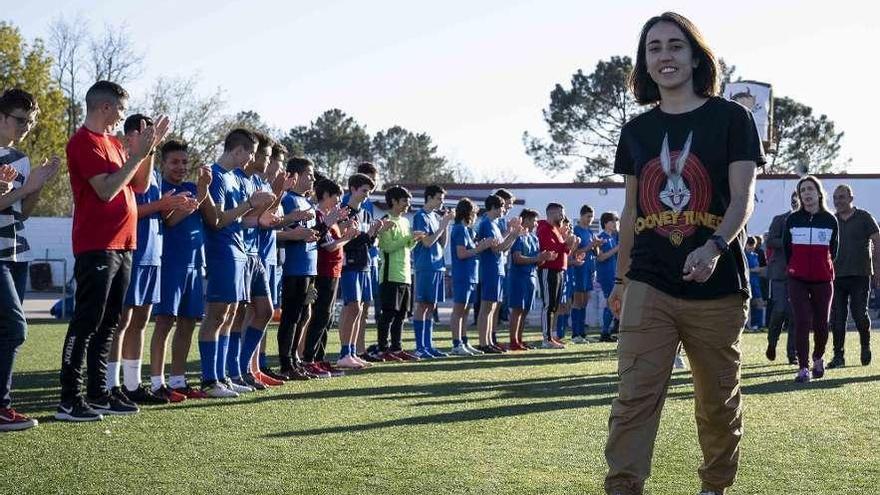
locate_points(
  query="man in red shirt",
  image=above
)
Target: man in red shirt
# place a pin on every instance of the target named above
(104, 180)
(554, 238)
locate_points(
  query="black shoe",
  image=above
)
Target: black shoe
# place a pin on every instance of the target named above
(372, 358)
(77, 410)
(771, 352)
(252, 381)
(836, 362)
(607, 338)
(489, 349)
(110, 403)
(145, 396)
(866, 355)
(294, 374)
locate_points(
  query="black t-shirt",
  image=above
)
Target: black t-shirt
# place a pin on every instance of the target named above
(681, 162)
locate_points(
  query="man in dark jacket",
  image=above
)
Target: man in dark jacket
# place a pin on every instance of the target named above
(780, 314)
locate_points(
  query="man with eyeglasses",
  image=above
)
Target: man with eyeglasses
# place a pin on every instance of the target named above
(19, 194)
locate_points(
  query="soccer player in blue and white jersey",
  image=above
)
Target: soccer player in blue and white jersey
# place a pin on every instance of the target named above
(465, 262)
(253, 315)
(523, 277)
(492, 269)
(584, 275)
(144, 286)
(356, 284)
(181, 298)
(606, 266)
(503, 313)
(430, 268)
(299, 269)
(227, 203)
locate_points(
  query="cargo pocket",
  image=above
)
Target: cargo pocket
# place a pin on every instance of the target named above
(634, 299)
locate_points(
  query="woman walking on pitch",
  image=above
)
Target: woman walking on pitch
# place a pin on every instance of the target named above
(689, 166)
(810, 242)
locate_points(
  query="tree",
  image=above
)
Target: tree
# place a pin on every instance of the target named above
(335, 142)
(113, 56)
(109, 55)
(29, 67)
(802, 139)
(201, 121)
(67, 42)
(403, 156)
(584, 121)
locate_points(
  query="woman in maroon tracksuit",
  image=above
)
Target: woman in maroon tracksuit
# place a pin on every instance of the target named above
(810, 240)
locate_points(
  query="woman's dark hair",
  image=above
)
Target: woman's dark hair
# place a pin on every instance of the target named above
(819, 188)
(464, 209)
(326, 187)
(705, 74)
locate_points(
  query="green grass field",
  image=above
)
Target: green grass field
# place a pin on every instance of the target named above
(527, 423)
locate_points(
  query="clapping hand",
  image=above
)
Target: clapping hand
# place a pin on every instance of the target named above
(173, 201)
(144, 139)
(418, 235)
(261, 199)
(7, 175)
(269, 220)
(545, 256)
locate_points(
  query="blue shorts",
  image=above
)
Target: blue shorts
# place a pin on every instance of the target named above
(581, 279)
(256, 278)
(183, 292)
(226, 280)
(570, 286)
(274, 275)
(144, 286)
(356, 286)
(430, 286)
(521, 293)
(464, 292)
(491, 287)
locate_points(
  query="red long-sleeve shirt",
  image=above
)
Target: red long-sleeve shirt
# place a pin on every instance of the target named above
(551, 239)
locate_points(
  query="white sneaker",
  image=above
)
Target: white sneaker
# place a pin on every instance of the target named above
(680, 363)
(471, 349)
(549, 344)
(579, 340)
(349, 363)
(460, 350)
(219, 391)
(239, 387)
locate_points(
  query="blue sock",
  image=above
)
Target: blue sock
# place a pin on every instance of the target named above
(264, 362)
(494, 338)
(429, 333)
(607, 317)
(232, 370)
(343, 351)
(222, 351)
(252, 337)
(456, 342)
(419, 330)
(464, 339)
(561, 323)
(208, 357)
(578, 315)
(352, 349)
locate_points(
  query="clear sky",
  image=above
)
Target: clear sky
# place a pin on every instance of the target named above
(476, 74)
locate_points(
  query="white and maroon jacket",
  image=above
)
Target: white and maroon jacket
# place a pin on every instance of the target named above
(810, 242)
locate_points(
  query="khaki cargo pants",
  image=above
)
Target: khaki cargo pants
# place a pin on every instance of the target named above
(651, 327)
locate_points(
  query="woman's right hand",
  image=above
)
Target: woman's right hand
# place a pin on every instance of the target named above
(615, 299)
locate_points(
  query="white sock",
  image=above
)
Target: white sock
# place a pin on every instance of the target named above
(112, 374)
(177, 381)
(131, 373)
(157, 382)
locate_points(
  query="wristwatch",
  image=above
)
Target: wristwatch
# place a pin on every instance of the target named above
(720, 243)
